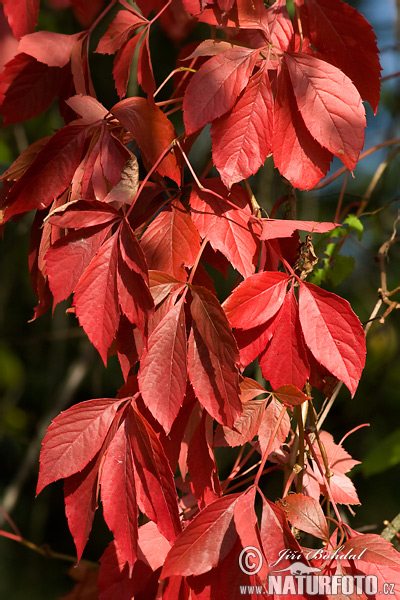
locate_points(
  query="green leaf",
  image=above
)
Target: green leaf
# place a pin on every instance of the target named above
(383, 456)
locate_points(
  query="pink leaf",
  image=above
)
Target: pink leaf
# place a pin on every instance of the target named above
(22, 15)
(118, 31)
(52, 49)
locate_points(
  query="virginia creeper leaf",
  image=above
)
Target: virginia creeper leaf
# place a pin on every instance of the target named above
(73, 439)
(163, 368)
(330, 105)
(333, 333)
(213, 90)
(242, 138)
(306, 514)
(22, 16)
(205, 541)
(256, 299)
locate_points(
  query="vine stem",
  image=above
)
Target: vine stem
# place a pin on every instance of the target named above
(269, 446)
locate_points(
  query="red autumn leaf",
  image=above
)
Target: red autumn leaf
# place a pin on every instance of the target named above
(333, 333)
(52, 49)
(88, 108)
(163, 368)
(156, 493)
(201, 463)
(339, 460)
(152, 130)
(338, 30)
(226, 224)
(74, 438)
(285, 360)
(247, 528)
(213, 326)
(252, 342)
(22, 16)
(267, 426)
(213, 90)
(306, 514)
(256, 299)
(96, 298)
(279, 228)
(206, 540)
(277, 536)
(80, 492)
(81, 214)
(49, 174)
(245, 428)
(145, 69)
(123, 63)
(279, 25)
(161, 285)
(118, 31)
(290, 394)
(297, 155)
(242, 139)
(330, 105)
(23, 77)
(370, 547)
(171, 242)
(215, 383)
(67, 259)
(118, 494)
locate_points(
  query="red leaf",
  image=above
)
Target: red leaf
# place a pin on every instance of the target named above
(206, 540)
(277, 536)
(213, 326)
(201, 463)
(226, 227)
(290, 394)
(96, 298)
(338, 30)
(118, 31)
(163, 368)
(252, 342)
(49, 174)
(118, 495)
(256, 299)
(145, 69)
(246, 427)
(87, 107)
(171, 241)
(133, 296)
(297, 155)
(268, 422)
(52, 49)
(123, 63)
(247, 528)
(280, 26)
(74, 438)
(156, 493)
(242, 139)
(161, 285)
(279, 228)
(373, 548)
(215, 383)
(330, 106)
(333, 333)
(152, 130)
(153, 547)
(23, 77)
(80, 492)
(82, 214)
(22, 16)
(213, 90)
(306, 514)
(285, 360)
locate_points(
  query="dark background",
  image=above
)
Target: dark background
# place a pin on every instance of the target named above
(47, 365)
